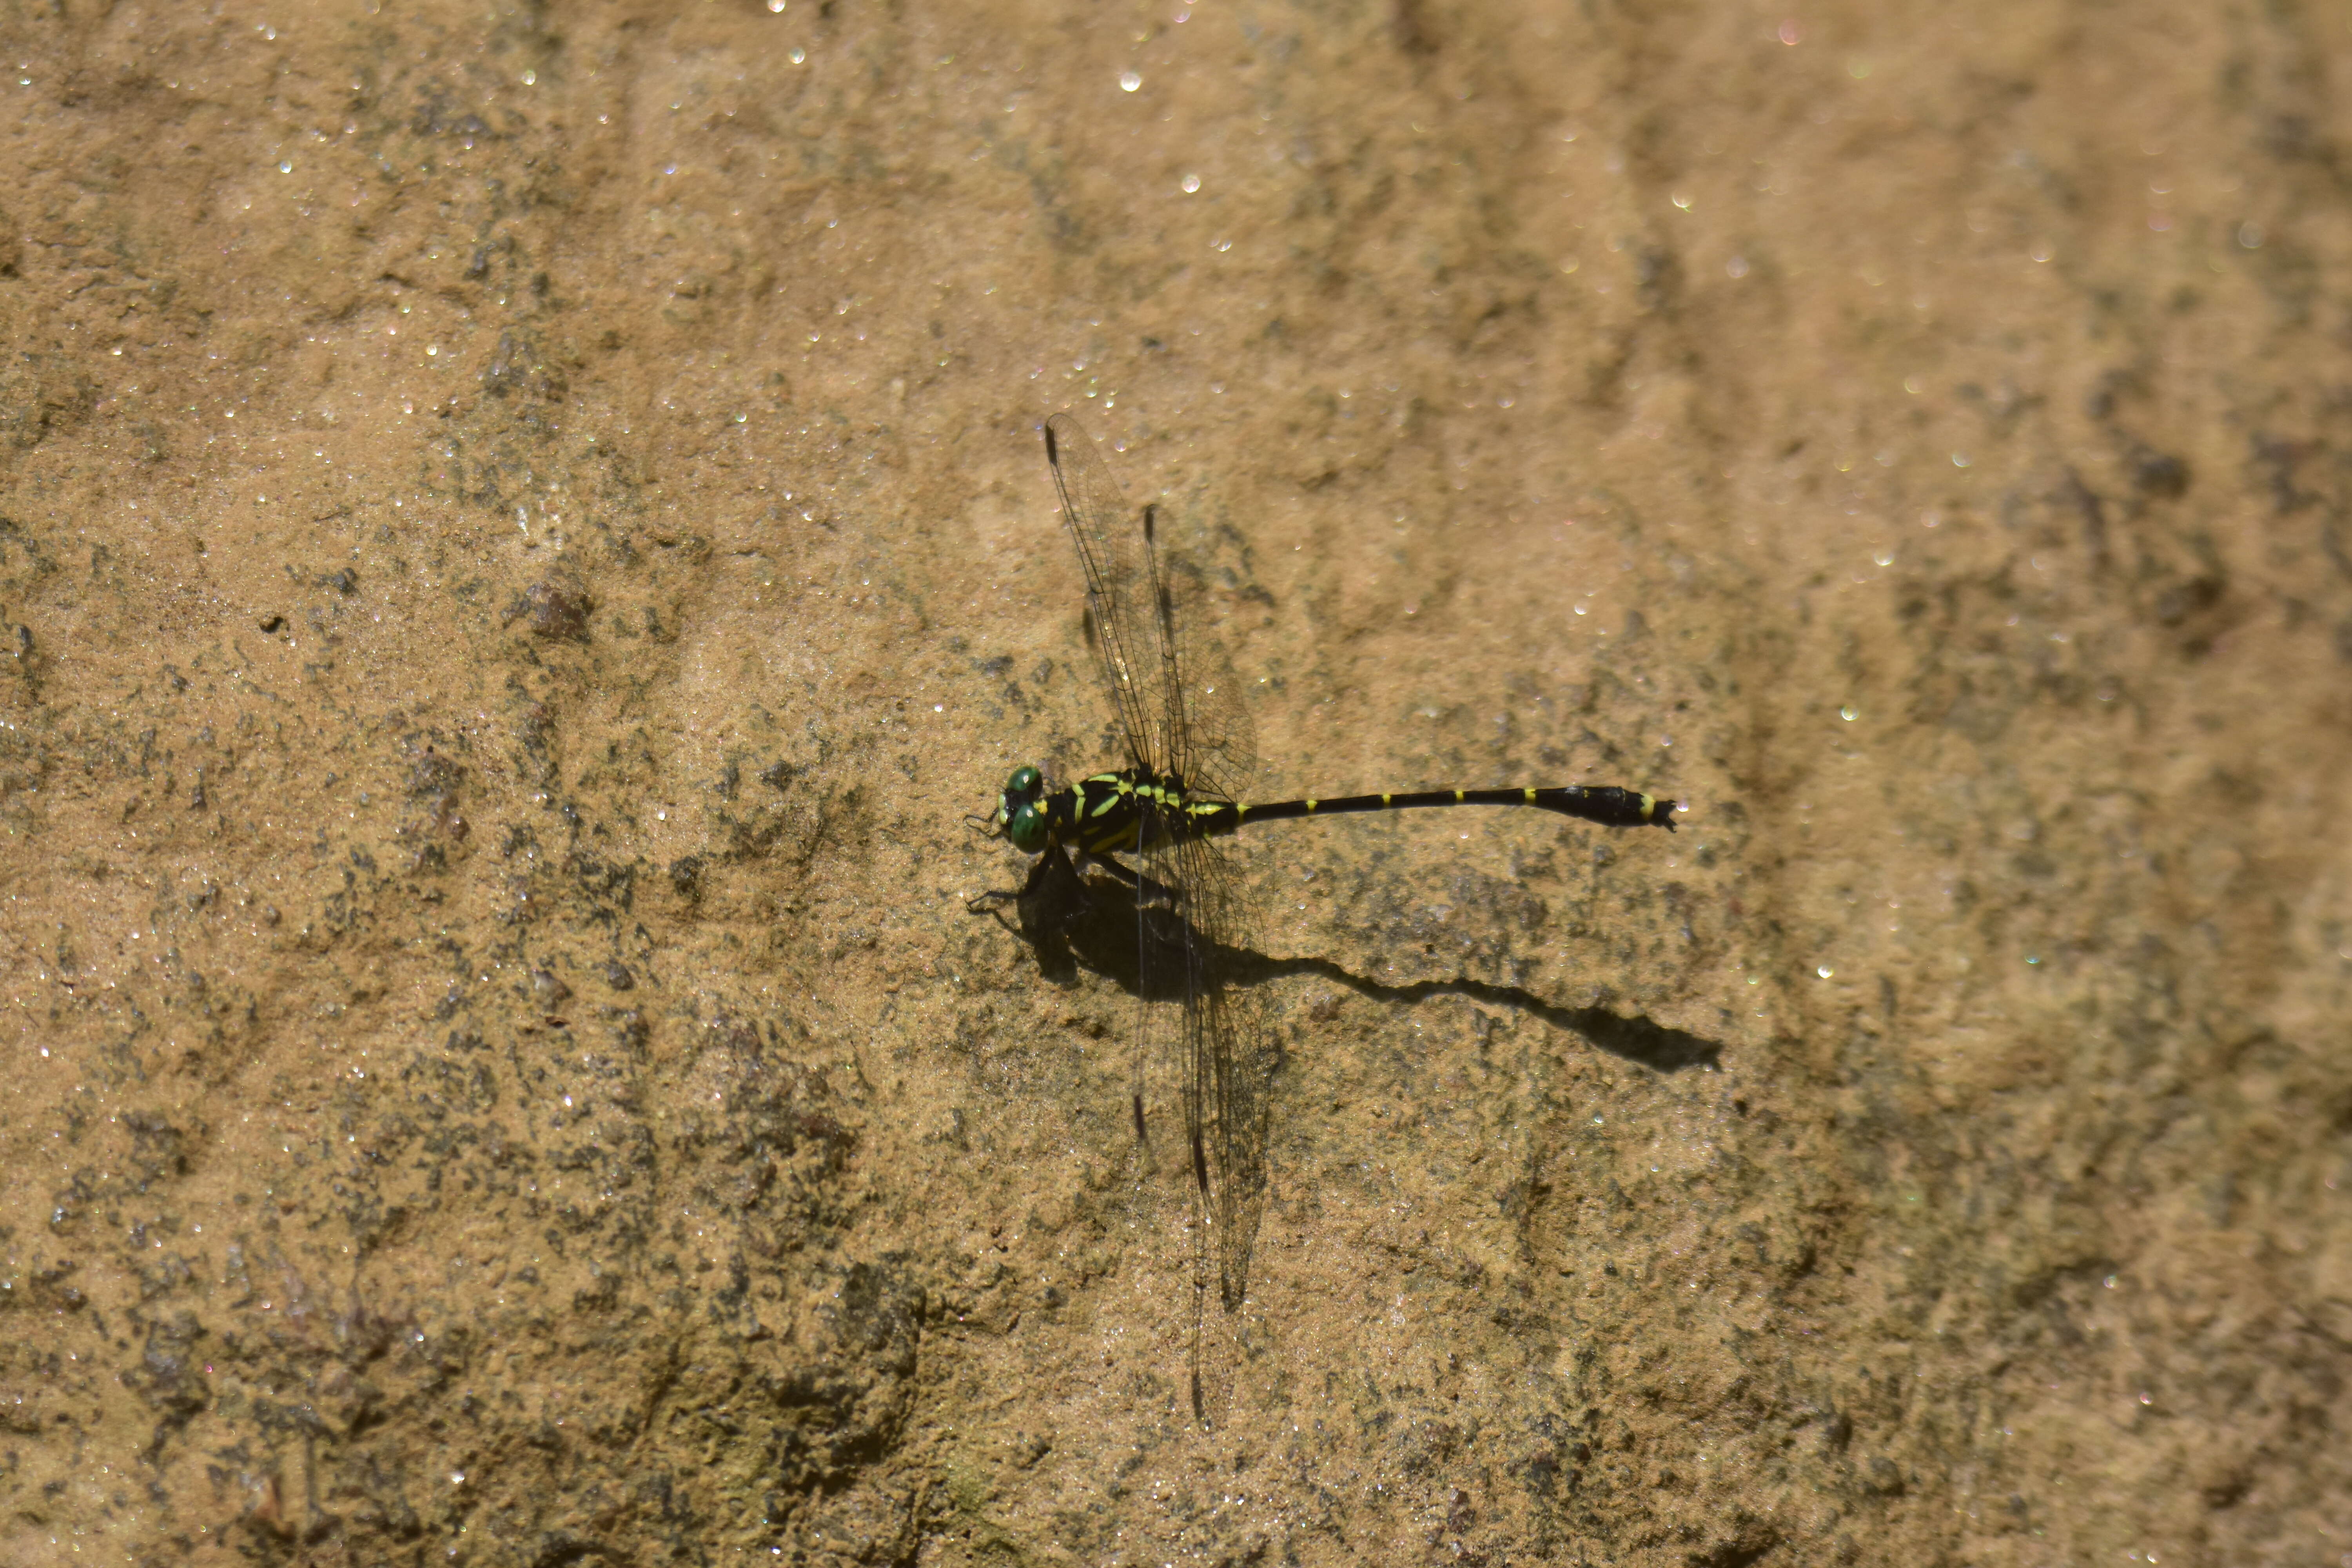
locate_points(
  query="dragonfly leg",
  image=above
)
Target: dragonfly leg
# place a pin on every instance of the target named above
(1147, 890)
(1053, 902)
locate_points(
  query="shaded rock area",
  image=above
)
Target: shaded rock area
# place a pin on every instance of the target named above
(524, 537)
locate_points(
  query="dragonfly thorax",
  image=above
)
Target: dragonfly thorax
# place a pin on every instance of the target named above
(1104, 813)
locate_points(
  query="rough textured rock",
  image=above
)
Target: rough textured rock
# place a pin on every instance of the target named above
(522, 535)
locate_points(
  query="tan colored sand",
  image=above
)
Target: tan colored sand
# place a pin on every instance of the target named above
(523, 535)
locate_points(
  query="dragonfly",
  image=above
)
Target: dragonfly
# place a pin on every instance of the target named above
(1191, 756)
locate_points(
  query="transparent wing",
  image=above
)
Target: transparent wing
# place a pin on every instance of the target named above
(1214, 745)
(1181, 712)
(1122, 591)
(1227, 1067)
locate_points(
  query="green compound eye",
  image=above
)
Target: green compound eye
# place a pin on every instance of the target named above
(1025, 781)
(1027, 826)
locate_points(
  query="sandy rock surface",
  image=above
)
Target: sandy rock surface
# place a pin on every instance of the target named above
(524, 535)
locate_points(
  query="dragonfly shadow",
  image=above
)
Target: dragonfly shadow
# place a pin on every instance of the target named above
(1135, 937)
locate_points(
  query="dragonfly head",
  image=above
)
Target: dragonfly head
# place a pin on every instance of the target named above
(1022, 809)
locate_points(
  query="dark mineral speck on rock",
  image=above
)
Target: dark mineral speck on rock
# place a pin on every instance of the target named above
(556, 611)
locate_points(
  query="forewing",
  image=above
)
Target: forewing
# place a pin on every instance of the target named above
(1122, 595)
